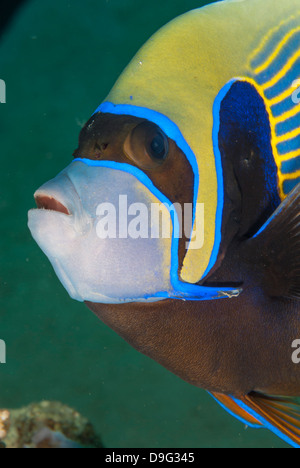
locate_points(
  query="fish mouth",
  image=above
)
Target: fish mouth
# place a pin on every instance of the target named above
(49, 203)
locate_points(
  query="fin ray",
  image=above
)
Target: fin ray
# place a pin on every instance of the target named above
(282, 414)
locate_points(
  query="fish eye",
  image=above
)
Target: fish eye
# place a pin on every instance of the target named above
(147, 146)
(159, 147)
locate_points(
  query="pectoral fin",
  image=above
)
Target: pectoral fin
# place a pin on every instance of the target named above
(281, 415)
(232, 407)
(276, 249)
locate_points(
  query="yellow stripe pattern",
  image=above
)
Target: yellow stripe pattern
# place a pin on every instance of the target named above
(275, 71)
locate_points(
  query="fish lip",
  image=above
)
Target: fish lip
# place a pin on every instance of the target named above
(45, 201)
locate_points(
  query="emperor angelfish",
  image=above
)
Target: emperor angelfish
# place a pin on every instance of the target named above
(203, 126)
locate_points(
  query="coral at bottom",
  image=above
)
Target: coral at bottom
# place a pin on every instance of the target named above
(46, 425)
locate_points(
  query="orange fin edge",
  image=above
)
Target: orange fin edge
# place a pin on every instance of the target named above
(232, 407)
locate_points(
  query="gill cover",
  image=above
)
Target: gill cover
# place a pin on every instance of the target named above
(180, 77)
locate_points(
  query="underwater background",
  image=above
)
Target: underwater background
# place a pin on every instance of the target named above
(59, 59)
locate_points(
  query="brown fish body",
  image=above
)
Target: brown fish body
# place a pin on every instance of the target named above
(232, 346)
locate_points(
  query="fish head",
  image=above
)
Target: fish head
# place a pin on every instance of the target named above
(100, 220)
(116, 223)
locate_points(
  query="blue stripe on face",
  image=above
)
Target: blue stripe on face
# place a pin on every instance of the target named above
(181, 290)
(173, 132)
(218, 160)
(169, 128)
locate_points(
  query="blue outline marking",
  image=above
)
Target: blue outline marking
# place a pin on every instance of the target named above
(266, 423)
(181, 290)
(282, 206)
(266, 224)
(219, 170)
(173, 132)
(169, 128)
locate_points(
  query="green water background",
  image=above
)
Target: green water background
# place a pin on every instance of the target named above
(59, 59)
